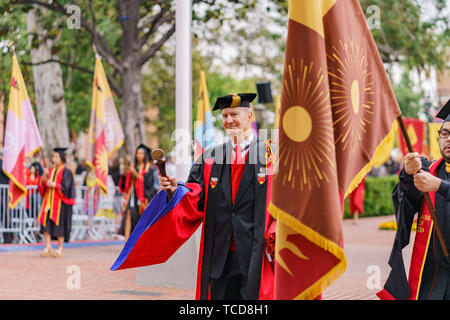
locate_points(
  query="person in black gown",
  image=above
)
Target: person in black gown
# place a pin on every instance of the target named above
(57, 189)
(137, 185)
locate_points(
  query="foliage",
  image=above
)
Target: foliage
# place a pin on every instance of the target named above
(408, 100)
(257, 53)
(377, 197)
(242, 52)
(414, 33)
(13, 27)
(159, 90)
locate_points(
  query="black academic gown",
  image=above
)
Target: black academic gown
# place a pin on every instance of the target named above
(435, 279)
(245, 219)
(64, 227)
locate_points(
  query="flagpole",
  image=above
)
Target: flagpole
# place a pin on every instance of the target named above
(44, 163)
(437, 226)
(183, 88)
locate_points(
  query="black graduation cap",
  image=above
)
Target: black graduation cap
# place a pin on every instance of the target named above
(147, 150)
(61, 151)
(234, 100)
(444, 113)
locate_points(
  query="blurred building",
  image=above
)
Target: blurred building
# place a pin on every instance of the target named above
(443, 84)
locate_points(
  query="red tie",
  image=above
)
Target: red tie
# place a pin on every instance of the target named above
(238, 159)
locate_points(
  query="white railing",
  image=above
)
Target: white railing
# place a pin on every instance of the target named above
(94, 216)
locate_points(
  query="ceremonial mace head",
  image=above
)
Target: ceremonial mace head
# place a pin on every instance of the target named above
(159, 161)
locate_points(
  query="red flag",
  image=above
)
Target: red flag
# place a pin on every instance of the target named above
(337, 111)
(415, 129)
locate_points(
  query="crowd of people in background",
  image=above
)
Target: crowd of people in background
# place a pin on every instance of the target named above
(132, 183)
(391, 167)
(126, 178)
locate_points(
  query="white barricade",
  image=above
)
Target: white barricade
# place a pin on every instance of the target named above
(93, 215)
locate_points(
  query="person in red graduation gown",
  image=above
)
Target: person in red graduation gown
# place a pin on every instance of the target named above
(356, 201)
(57, 189)
(137, 185)
(32, 180)
(234, 180)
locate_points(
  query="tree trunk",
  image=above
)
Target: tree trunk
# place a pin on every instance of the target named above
(132, 111)
(49, 90)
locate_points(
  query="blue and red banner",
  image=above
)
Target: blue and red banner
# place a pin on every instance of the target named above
(162, 229)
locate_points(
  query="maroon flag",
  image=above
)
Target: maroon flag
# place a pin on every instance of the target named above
(337, 111)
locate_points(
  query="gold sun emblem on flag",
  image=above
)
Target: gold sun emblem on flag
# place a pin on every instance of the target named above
(306, 156)
(101, 160)
(351, 93)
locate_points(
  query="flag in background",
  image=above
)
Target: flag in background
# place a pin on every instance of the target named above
(415, 129)
(105, 131)
(22, 136)
(204, 129)
(277, 111)
(433, 129)
(384, 151)
(337, 110)
(254, 123)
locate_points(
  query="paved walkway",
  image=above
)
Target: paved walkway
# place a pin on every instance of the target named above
(367, 250)
(84, 271)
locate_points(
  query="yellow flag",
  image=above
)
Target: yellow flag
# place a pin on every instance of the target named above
(204, 129)
(277, 110)
(105, 131)
(435, 151)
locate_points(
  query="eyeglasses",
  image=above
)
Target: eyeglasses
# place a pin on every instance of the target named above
(443, 134)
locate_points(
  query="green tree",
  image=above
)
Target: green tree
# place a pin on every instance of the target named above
(409, 37)
(407, 98)
(126, 33)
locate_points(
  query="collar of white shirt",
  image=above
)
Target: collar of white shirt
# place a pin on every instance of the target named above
(244, 145)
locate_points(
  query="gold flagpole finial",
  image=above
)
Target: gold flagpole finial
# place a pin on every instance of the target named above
(95, 51)
(12, 47)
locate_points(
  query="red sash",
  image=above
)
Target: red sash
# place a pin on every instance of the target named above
(267, 271)
(206, 177)
(139, 183)
(53, 197)
(421, 242)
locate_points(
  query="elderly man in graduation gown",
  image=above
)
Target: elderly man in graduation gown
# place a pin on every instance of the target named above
(429, 272)
(228, 189)
(57, 189)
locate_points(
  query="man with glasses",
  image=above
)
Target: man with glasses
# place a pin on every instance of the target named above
(429, 272)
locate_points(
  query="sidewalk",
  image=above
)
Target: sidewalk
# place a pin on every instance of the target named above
(25, 275)
(367, 250)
